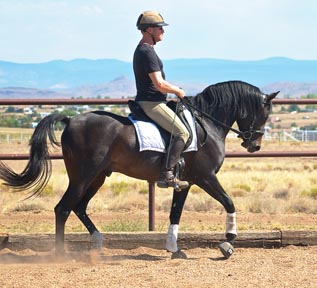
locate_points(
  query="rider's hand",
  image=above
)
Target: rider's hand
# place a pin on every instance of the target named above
(180, 93)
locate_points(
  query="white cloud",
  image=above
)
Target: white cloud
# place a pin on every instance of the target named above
(58, 86)
(91, 9)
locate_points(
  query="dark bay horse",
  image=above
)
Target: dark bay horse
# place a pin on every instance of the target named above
(95, 144)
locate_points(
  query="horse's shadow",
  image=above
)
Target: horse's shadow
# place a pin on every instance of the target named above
(24, 257)
(218, 259)
(141, 257)
(13, 258)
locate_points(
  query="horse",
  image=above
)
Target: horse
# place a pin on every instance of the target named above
(97, 143)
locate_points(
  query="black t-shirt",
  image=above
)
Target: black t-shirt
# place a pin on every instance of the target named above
(145, 61)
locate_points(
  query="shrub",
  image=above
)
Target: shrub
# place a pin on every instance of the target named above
(282, 194)
(119, 187)
(196, 190)
(310, 193)
(299, 207)
(24, 207)
(255, 207)
(244, 187)
(47, 191)
(121, 225)
(143, 191)
(237, 193)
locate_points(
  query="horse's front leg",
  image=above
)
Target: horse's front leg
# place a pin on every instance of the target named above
(226, 247)
(177, 206)
(212, 186)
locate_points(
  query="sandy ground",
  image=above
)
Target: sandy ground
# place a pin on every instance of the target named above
(144, 267)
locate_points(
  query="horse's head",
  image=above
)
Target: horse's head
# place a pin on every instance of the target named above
(252, 126)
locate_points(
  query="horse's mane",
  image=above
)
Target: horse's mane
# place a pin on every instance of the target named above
(229, 97)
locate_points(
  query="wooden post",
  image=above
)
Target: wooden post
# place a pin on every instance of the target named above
(151, 206)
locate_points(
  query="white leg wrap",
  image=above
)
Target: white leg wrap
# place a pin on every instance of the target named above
(171, 239)
(231, 226)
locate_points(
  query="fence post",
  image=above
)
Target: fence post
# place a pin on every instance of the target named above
(151, 206)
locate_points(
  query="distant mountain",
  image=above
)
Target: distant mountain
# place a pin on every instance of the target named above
(114, 78)
(117, 88)
(292, 89)
(60, 74)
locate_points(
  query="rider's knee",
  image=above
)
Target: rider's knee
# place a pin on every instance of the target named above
(184, 134)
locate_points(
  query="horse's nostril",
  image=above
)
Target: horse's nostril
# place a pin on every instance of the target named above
(257, 148)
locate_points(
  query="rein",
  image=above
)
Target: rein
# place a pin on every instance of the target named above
(245, 135)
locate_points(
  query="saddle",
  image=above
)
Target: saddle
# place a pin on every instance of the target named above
(137, 113)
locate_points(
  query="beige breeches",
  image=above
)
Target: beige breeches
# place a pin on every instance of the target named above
(161, 114)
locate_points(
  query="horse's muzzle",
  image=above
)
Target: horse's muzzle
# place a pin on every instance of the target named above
(252, 149)
(251, 146)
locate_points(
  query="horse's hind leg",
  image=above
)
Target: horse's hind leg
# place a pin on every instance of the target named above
(80, 211)
(76, 198)
(62, 210)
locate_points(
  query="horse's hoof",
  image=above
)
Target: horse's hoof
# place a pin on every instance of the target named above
(96, 241)
(226, 249)
(60, 254)
(179, 254)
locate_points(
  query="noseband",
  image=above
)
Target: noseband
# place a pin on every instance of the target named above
(249, 135)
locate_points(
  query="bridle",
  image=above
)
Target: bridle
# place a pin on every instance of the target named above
(246, 136)
(250, 135)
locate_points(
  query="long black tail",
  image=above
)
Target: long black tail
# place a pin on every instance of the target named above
(38, 170)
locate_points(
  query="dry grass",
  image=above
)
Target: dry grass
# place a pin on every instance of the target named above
(257, 186)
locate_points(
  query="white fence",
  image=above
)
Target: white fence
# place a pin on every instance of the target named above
(305, 135)
(298, 135)
(15, 138)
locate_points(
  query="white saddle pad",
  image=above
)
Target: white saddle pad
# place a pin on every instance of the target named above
(149, 136)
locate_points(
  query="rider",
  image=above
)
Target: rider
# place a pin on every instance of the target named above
(152, 89)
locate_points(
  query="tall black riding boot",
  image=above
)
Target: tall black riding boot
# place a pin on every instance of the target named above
(167, 178)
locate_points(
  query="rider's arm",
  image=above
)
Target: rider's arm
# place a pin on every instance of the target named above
(165, 87)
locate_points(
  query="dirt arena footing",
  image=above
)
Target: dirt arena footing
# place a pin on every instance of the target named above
(132, 240)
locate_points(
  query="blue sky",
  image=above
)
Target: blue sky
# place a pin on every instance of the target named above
(33, 31)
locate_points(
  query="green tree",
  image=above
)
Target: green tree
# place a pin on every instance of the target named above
(10, 109)
(293, 107)
(309, 96)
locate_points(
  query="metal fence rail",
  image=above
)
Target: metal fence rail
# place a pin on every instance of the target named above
(116, 101)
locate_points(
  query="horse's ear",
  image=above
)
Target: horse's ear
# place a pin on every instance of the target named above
(271, 96)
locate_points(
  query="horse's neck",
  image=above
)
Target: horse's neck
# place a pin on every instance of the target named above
(218, 109)
(225, 130)
(223, 122)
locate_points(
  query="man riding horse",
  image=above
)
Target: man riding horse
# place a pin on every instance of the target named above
(152, 89)
(98, 143)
